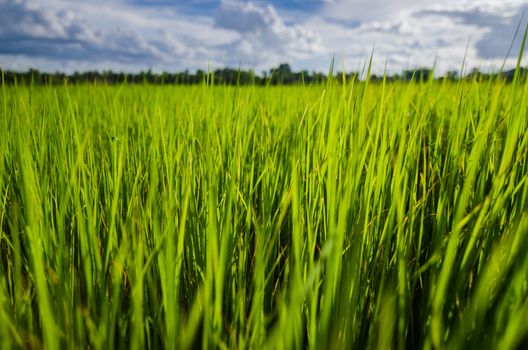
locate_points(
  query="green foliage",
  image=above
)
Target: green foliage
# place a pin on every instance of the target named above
(282, 75)
(343, 215)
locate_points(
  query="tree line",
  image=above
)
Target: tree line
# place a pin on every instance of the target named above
(282, 75)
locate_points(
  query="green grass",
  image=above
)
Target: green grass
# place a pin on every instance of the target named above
(338, 216)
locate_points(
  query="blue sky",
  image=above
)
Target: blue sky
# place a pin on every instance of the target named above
(133, 35)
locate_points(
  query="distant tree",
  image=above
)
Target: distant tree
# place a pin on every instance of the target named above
(420, 74)
(281, 75)
(451, 75)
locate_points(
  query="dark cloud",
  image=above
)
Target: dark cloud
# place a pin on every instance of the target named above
(29, 30)
(495, 43)
(246, 18)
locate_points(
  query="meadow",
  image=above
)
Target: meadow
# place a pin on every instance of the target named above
(340, 215)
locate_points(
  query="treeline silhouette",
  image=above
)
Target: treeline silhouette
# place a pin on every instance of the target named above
(282, 75)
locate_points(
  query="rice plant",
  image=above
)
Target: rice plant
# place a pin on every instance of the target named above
(342, 215)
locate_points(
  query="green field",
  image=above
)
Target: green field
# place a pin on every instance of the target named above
(358, 215)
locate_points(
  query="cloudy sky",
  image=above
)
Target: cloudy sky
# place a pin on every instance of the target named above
(131, 35)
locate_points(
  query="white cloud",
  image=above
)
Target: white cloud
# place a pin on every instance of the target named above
(372, 10)
(31, 30)
(121, 36)
(97, 34)
(409, 34)
(497, 24)
(106, 36)
(263, 36)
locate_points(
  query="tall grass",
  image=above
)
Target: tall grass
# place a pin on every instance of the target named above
(390, 215)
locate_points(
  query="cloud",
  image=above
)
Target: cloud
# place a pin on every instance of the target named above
(120, 35)
(263, 36)
(372, 10)
(408, 34)
(259, 34)
(35, 31)
(496, 23)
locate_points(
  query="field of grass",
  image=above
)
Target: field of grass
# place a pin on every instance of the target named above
(387, 215)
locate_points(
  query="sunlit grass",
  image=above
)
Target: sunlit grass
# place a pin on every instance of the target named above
(335, 216)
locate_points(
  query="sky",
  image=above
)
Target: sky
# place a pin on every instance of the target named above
(163, 35)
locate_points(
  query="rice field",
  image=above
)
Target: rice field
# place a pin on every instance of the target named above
(352, 215)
